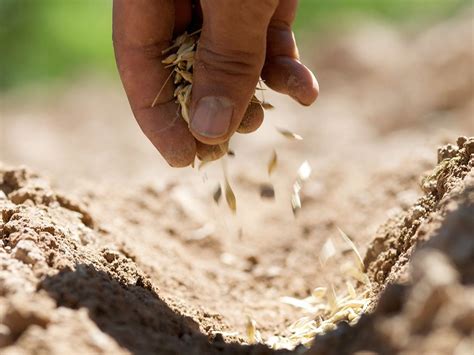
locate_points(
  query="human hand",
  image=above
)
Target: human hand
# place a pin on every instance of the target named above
(241, 40)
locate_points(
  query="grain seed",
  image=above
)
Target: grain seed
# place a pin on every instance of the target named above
(288, 134)
(304, 171)
(267, 191)
(273, 162)
(267, 105)
(345, 237)
(328, 251)
(230, 197)
(216, 196)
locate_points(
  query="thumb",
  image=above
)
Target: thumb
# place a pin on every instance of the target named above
(229, 59)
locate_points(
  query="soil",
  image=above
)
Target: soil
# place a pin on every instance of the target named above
(137, 258)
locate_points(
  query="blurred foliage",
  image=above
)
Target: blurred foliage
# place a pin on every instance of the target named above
(43, 39)
(315, 15)
(50, 38)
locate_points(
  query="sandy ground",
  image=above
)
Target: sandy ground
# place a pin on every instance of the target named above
(136, 257)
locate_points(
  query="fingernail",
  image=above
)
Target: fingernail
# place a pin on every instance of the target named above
(294, 88)
(212, 116)
(303, 92)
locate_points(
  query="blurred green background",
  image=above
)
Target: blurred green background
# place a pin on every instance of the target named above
(45, 40)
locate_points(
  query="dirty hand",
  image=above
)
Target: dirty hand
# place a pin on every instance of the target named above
(240, 41)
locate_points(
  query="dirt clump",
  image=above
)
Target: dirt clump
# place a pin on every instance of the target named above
(390, 251)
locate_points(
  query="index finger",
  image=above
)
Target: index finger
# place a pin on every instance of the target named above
(142, 29)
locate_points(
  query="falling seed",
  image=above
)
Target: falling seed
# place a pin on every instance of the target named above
(267, 105)
(327, 252)
(217, 194)
(345, 237)
(267, 191)
(273, 162)
(295, 198)
(304, 171)
(230, 197)
(288, 134)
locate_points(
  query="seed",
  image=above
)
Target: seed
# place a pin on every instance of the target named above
(189, 55)
(304, 171)
(295, 198)
(327, 327)
(189, 65)
(251, 329)
(217, 194)
(186, 75)
(177, 78)
(187, 94)
(230, 197)
(297, 303)
(267, 191)
(267, 106)
(178, 90)
(288, 134)
(170, 59)
(229, 193)
(327, 252)
(338, 316)
(332, 298)
(272, 164)
(319, 292)
(345, 237)
(187, 46)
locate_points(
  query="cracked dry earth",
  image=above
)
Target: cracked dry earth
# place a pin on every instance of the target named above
(70, 283)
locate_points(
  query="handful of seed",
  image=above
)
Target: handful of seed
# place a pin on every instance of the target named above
(180, 58)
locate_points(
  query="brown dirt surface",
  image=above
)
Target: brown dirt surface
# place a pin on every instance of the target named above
(425, 260)
(110, 251)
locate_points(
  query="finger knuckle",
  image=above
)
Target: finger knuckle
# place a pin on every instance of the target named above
(151, 50)
(228, 61)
